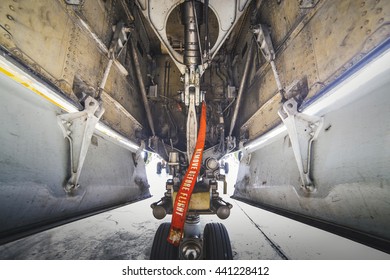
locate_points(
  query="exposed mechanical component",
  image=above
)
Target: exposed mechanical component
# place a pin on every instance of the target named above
(118, 42)
(227, 16)
(196, 194)
(192, 124)
(265, 44)
(241, 89)
(164, 206)
(302, 130)
(173, 163)
(78, 128)
(211, 164)
(192, 17)
(142, 88)
(191, 246)
(204, 200)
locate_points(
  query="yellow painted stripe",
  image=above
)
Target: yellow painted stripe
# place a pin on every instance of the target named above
(27, 85)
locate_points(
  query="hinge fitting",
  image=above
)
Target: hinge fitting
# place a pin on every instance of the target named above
(78, 128)
(303, 130)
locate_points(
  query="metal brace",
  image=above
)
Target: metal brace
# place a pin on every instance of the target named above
(78, 128)
(192, 97)
(263, 39)
(302, 130)
(117, 44)
(192, 127)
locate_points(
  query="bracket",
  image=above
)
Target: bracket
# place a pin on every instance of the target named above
(263, 39)
(303, 130)
(78, 128)
(192, 86)
(118, 42)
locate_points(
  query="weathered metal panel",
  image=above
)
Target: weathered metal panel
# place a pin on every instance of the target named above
(67, 45)
(350, 168)
(320, 43)
(34, 166)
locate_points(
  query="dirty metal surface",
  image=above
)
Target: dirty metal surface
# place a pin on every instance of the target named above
(350, 161)
(51, 38)
(34, 167)
(320, 43)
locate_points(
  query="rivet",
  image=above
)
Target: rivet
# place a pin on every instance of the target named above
(366, 22)
(368, 31)
(7, 27)
(379, 10)
(10, 17)
(7, 36)
(362, 4)
(11, 8)
(381, 20)
(364, 13)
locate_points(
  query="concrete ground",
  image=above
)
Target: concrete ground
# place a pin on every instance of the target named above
(127, 233)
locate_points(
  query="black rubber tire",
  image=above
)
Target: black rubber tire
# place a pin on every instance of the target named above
(216, 242)
(159, 167)
(161, 249)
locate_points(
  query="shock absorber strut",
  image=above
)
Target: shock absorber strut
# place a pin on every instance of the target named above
(192, 17)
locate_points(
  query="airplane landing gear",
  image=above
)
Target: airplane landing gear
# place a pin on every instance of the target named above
(213, 244)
